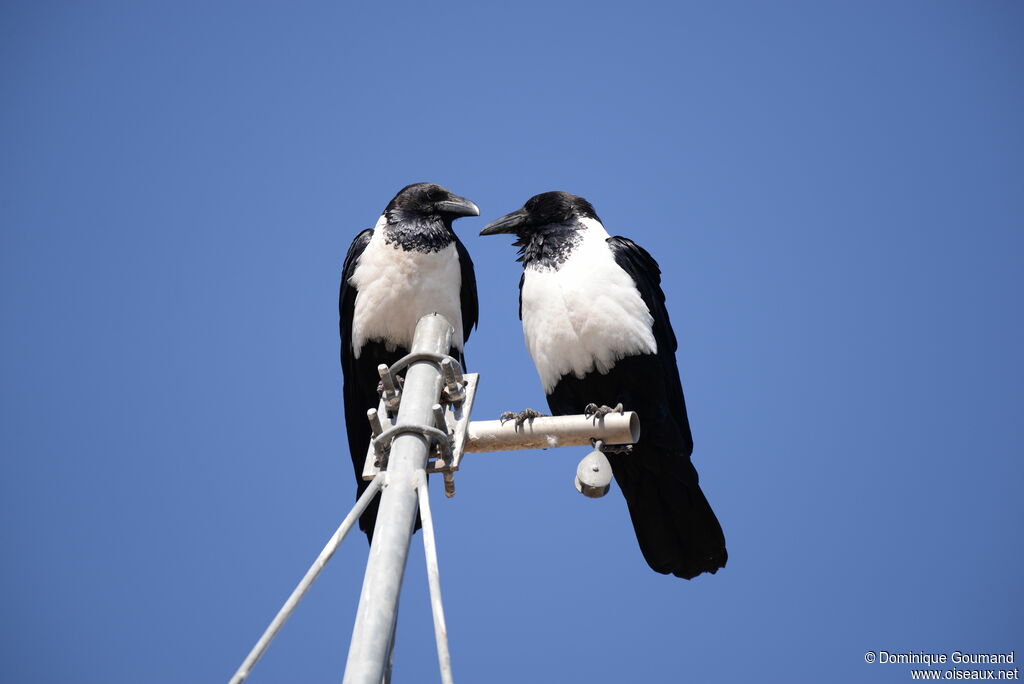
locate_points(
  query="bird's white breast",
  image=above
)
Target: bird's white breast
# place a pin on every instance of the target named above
(586, 314)
(395, 288)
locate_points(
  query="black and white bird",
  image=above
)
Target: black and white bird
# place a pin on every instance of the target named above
(595, 323)
(407, 266)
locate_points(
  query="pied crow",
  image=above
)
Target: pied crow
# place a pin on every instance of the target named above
(408, 265)
(595, 323)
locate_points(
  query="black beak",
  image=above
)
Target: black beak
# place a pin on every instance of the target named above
(457, 206)
(509, 223)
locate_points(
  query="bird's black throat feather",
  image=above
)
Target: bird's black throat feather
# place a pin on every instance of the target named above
(550, 246)
(415, 233)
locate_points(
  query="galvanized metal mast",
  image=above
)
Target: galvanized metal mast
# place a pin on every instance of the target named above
(378, 602)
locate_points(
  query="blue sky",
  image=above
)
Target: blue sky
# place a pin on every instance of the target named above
(834, 190)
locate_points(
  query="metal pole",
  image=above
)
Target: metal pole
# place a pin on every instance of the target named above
(378, 602)
(444, 657)
(307, 581)
(547, 432)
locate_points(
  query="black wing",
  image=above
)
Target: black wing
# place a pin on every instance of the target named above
(646, 274)
(467, 296)
(360, 377)
(347, 298)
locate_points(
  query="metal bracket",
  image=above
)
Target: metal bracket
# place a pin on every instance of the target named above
(381, 445)
(451, 371)
(390, 393)
(456, 416)
(611, 448)
(409, 359)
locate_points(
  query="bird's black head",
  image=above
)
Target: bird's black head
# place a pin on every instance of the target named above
(547, 228)
(427, 200)
(420, 216)
(541, 211)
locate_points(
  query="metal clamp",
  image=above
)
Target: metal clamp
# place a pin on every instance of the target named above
(389, 390)
(409, 359)
(454, 387)
(382, 443)
(451, 370)
(452, 419)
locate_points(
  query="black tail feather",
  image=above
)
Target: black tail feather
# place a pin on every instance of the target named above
(675, 526)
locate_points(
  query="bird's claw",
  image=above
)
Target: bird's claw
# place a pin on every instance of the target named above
(521, 417)
(598, 412)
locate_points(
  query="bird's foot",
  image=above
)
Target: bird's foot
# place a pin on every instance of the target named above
(598, 412)
(521, 417)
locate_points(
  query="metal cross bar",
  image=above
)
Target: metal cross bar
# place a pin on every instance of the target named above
(552, 431)
(307, 581)
(378, 602)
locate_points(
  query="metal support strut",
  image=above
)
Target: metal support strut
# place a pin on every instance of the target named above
(307, 581)
(444, 658)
